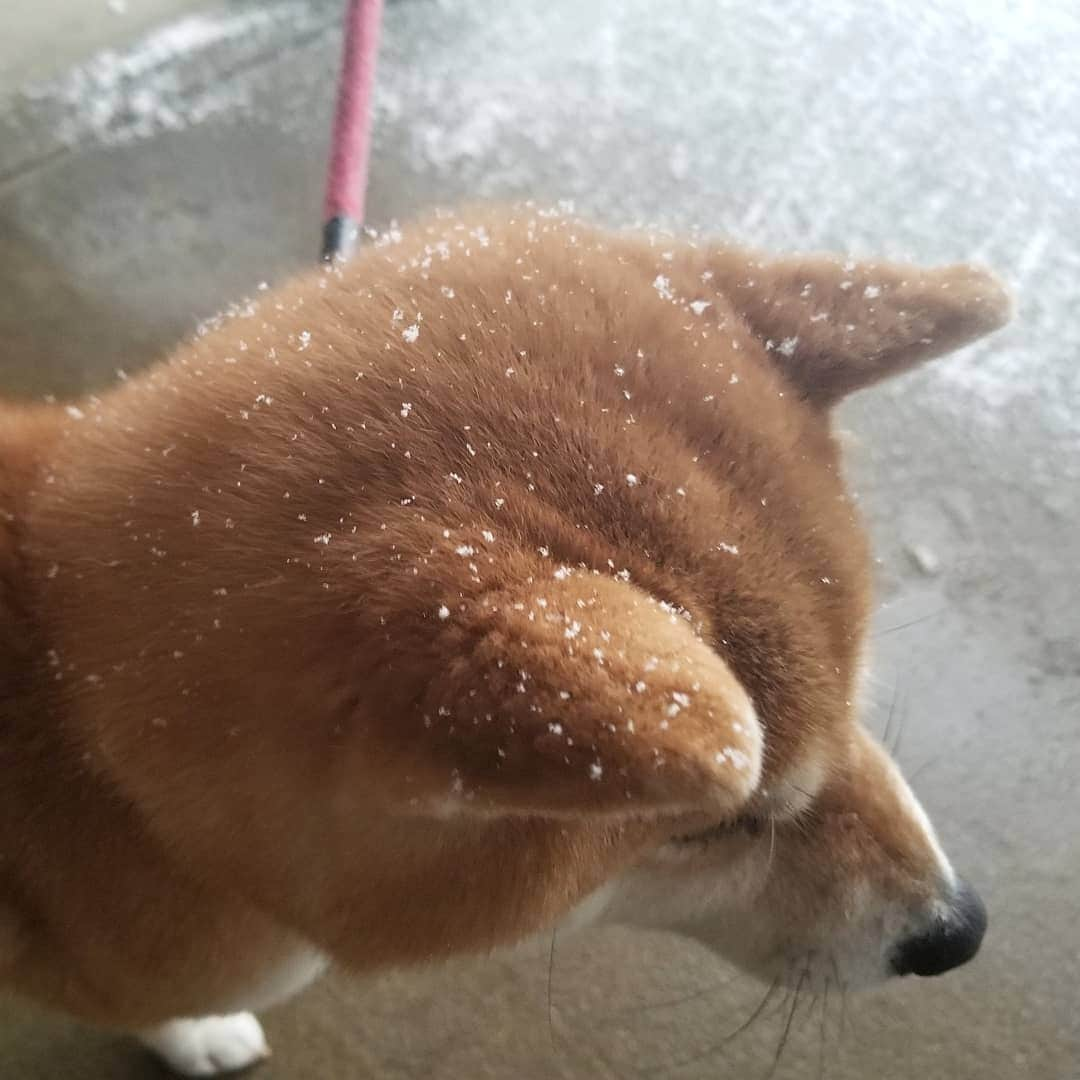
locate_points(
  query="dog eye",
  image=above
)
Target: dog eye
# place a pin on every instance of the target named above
(749, 824)
(744, 824)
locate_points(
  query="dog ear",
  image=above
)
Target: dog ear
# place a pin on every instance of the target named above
(580, 695)
(834, 327)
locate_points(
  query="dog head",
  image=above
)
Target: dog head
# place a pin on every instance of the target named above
(830, 871)
(511, 569)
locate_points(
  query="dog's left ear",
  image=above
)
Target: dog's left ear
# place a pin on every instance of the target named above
(834, 327)
(574, 695)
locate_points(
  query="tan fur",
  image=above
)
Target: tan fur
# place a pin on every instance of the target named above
(415, 602)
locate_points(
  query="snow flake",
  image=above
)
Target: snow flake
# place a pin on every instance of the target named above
(737, 758)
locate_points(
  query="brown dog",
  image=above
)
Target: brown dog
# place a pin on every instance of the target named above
(505, 577)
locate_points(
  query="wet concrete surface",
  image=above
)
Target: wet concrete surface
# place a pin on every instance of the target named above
(143, 190)
(47, 36)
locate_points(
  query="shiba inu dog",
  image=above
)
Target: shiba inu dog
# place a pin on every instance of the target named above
(501, 579)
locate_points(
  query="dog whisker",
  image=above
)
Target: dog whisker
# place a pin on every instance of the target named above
(824, 1029)
(782, 1044)
(892, 712)
(550, 996)
(910, 623)
(923, 767)
(717, 1047)
(904, 713)
(671, 1003)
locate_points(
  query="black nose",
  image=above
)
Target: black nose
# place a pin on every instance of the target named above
(952, 940)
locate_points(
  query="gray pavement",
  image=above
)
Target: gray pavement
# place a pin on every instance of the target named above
(144, 187)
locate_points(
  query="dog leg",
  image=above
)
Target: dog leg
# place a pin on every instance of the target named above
(209, 1045)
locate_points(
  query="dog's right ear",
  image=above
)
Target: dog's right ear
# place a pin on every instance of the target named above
(569, 695)
(833, 327)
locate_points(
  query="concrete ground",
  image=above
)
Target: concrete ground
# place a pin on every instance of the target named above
(144, 187)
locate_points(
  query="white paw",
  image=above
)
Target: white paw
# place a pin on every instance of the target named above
(210, 1045)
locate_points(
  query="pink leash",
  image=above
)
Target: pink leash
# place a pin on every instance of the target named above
(350, 145)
